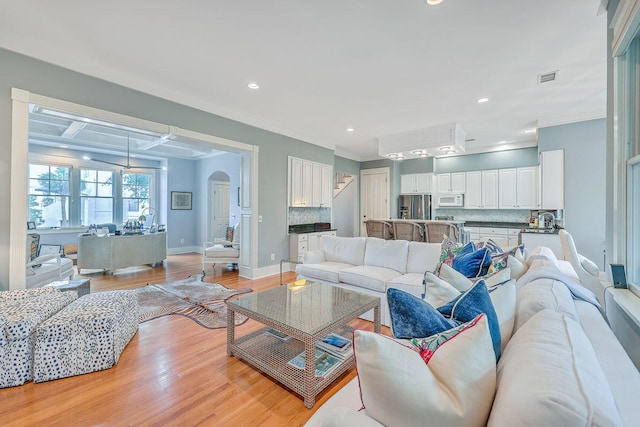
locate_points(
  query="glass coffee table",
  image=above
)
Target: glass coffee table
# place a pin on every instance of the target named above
(304, 312)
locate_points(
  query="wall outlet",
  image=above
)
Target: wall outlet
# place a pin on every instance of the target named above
(182, 241)
(259, 218)
(273, 257)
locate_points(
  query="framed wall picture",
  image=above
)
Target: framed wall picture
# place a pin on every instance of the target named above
(50, 249)
(181, 200)
(31, 225)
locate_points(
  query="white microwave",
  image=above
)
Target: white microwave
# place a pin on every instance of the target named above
(454, 200)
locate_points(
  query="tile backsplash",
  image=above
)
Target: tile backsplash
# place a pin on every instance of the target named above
(309, 215)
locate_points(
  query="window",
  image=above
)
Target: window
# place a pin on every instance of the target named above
(96, 196)
(49, 195)
(633, 222)
(136, 191)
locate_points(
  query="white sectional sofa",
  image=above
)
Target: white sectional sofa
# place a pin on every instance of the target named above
(561, 365)
(371, 265)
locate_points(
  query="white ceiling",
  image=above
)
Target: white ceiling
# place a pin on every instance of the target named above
(380, 66)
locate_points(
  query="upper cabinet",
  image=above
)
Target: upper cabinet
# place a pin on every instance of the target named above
(482, 190)
(552, 179)
(513, 188)
(453, 182)
(416, 183)
(309, 183)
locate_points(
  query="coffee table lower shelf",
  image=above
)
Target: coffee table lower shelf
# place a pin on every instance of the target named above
(271, 355)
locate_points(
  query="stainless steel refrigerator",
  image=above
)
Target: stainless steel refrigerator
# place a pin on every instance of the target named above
(416, 206)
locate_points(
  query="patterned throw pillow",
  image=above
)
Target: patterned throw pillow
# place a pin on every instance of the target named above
(428, 346)
(506, 260)
(493, 247)
(450, 248)
(32, 246)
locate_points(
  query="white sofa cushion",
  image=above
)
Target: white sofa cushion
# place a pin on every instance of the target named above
(220, 251)
(544, 253)
(549, 376)
(348, 250)
(423, 257)
(410, 282)
(369, 277)
(450, 382)
(543, 294)
(326, 271)
(390, 254)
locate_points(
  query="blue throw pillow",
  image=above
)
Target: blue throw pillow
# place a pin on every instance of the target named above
(467, 249)
(473, 264)
(412, 317)
(469, 304)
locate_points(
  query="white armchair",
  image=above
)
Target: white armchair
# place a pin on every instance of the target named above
(587, 271)
(222, 251)
(44, 269)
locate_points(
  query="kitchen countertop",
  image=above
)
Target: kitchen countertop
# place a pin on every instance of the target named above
(307, 228)
(496, 224)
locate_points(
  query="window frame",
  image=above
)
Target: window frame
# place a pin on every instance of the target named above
(69, 195)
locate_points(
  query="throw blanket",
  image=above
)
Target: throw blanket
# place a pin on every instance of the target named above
(549, 271)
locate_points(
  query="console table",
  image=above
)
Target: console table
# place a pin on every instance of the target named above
(109, 252)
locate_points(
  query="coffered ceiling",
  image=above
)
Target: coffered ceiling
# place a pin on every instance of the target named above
(378, 67)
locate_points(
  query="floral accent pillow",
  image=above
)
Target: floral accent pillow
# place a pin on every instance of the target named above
(428, 346)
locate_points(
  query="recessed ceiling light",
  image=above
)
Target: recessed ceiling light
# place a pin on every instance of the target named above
(433, 2)
(482, 100)
(253, 85)
(63, 146)
(350, 129)
(502, 142)
(529, 130)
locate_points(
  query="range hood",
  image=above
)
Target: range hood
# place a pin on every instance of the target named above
(433, 141)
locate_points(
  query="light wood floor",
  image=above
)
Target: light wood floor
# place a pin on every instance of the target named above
(173, 372)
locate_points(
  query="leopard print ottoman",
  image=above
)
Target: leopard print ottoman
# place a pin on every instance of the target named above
(86, 336)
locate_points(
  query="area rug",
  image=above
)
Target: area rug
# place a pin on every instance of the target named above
(203, 302)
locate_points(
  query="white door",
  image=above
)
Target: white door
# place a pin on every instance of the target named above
(219, 209)
(374, 195)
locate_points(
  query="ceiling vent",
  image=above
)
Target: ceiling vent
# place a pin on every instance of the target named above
(547, 77)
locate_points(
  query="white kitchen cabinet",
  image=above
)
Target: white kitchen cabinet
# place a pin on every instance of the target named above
(310, 183)
(552, 179)
(506, 238)
(416, 183)
(527, 187)
(326, 186)
(482, 190)
(508, 188)
(490, 189)
(453, 183)
(303, 242)
(297, 196)
(473, 195)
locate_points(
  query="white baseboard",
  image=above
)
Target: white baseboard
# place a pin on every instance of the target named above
(184, 250)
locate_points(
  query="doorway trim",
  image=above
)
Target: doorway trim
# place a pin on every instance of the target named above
(19, 159)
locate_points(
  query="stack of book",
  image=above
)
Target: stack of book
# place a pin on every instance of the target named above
(336, 345)
(330, 352)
